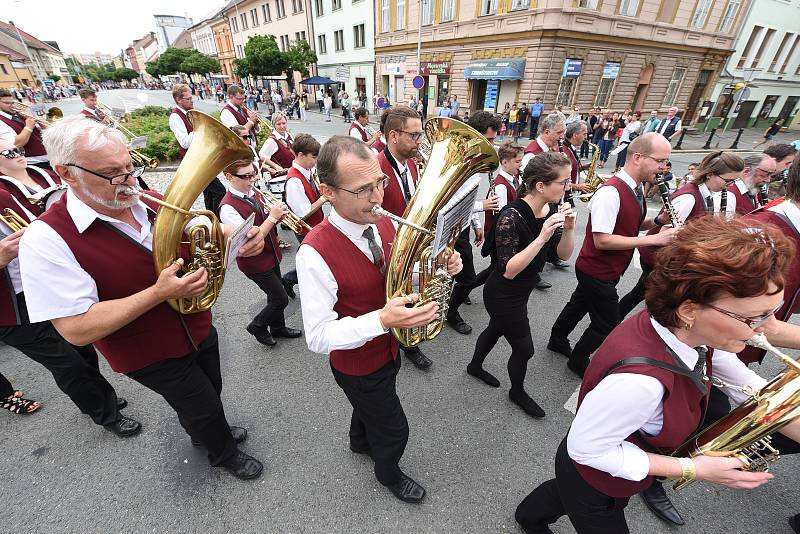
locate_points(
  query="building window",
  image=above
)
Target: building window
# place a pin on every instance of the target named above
(297, 6)
(338, 40)
(729, 16)
(588, 4)
(750, 42)
(319, 8)
(610, 74)
(385, 15)
(488, 7)
(280, 9)
(401, 15)
(701, 14)
(336, 4)
(3, 67)
(266, 12)
(764, 45)
(520, 4)
(243, 18)
(323, 45)
(254, 17)
(566, 91)
(674, 85)
(779, 52)
(790, 55)
(448, 10)
(239, 51)
(427, 12)
(359, 39)
(667, 11)
(235, 25)
(629, 8)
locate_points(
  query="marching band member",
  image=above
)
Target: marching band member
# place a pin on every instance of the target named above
(264, 269)
(342, 265)
(701, 197)
(758, 169)
(21, 132)
(183, 131)
(629, 412)
(235, 112)
(575, 135)
(23, 181)
(74, 369)
(278, 151)
(358, 128)
(89, 99)
(617, 214)
(87, 266)
(525, 229)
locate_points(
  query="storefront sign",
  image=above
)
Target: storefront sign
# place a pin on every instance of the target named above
(436, 68)
(393, 68)
(490, 100)
(342, 74)
(572, 68)
(611, 70)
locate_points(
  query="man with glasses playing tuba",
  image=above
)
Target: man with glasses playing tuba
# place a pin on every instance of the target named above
(87, 266)
(342, 268)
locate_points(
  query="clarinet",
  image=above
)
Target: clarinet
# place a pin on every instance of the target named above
(763, 190)
(723, 203)
(567, 194)
(492, 187)
(663, 190)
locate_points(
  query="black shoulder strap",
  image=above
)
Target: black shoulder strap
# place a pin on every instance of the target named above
(642, 360)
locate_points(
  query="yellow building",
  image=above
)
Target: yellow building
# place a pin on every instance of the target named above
(13, 72)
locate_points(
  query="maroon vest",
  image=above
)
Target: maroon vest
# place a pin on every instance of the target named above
(189, 128)
(22, 196)
(744, 203)
(285, 155)
(499, 181)
(378, 145)
(360, 131)
(34, 146)
(9, 314)
(316, 217)
(240, 118)
(683, 403)
(533, 148)
(271, 255)
(158, 334)
(393, 199)
(90, 115)
(648, 254)
(361, 289)
(609, 265)
(576, 166)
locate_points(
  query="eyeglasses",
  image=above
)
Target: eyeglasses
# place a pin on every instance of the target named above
(765, 171)
(562, 183)
(751, 322)
(117, 179)
(366, 191)
(413, 135)
(12, 153)
(246, 176)
(662, 161)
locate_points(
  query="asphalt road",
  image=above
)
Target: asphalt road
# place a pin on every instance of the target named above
(476, 453)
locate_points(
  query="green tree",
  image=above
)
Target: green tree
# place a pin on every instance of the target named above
(299, 57)
(126, 74)
(198, 63)
(263, 57)
(54, 77)
(73, 68)
(153, 69)
(170, 61)
(241, 68)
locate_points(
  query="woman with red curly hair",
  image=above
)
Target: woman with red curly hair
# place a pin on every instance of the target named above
(715, 286)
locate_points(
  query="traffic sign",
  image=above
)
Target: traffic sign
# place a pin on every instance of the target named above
(418, 82)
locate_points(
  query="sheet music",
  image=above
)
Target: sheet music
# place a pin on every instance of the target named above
(237, 239)
(455, 215)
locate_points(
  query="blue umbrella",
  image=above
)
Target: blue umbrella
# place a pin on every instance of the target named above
(318, 80)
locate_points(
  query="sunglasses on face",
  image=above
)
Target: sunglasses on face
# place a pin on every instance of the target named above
(12, 153)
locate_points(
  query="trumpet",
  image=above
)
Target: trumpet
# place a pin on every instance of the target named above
(53, 114)
(13, 220)
(295, 223)
(139, 159)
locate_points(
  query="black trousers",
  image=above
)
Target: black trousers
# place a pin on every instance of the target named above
(192, 385)
(291, 276)
(212, 195)
(378, 421)
(534, 128)
(6, 389)
(75, 369)
(589, 511)
(635, 295)
(277, 299)
(597, 298)
(465, 280)
(521, 349)
(585, 149)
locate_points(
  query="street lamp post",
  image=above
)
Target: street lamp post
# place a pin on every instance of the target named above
(741, 94)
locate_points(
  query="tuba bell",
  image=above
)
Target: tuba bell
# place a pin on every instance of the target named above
(456, 153)
(213, 148)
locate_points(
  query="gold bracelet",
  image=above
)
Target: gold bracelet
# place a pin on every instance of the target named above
(688, 469)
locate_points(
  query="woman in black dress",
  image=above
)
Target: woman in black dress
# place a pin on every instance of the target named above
(526, 229)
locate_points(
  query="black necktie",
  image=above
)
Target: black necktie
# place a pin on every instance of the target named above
(313, 181)
(404, 182)
(377, 254)
(639, 193)
(699, 370)
(709, 204)
(752, 198)
(17, 118)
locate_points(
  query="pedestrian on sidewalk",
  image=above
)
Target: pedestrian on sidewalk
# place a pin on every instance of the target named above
(303, 105)
(327, 103)
(320, 98)
(769, 133)
(536, 113)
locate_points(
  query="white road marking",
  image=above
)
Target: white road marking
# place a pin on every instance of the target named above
(572, 402)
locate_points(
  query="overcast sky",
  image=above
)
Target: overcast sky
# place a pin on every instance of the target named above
(88, 26)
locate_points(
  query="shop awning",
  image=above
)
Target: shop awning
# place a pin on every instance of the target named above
(495, 69)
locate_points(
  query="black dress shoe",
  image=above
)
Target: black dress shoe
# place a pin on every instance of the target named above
(528, 405)
(459, 324)
(576, 367)
(541, 285)
(418, 358)
(289, 287)
(262, 335)
(794, 522)
(656, 499)
(467, 301)
(560, 264)
(560, 347)
(482, 374)
(361, 450)
(124, 427)
(406, 489)
(243, 466)
(122, 403)
(285, 331)
(238, 433)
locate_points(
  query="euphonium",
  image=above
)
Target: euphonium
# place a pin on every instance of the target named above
(457, 152)
(745, 432)
(213, 148)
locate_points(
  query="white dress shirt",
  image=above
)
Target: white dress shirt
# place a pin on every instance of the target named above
(630, 128)
(318, 294)
(624, 403)
(684, 204)
(604, 206)
(790, 210)
(355, 133)
(271, 145)
(57, 286)
(8, 134)
(13, 266)
(527, 157)
(227, 118)
(296, 197)
(179, 129)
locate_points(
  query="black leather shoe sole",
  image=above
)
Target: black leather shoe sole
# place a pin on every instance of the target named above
(419, 360)
(122, 403)
(125, 427)
(564, 350)
(541, 285)
(657, 501)
(285, 332)
(261, 336)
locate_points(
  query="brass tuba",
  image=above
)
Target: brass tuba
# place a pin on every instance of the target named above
(213, 148)
(745, 432)
(456, 153)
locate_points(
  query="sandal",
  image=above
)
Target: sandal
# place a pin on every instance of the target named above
(17, 404)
